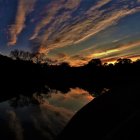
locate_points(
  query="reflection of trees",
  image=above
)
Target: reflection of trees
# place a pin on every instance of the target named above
(21, 101)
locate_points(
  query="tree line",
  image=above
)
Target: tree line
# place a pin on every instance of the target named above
(26, 73)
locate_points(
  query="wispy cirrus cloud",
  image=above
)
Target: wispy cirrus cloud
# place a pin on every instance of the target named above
(24, 7)
(120, 51)
(52, 10)
(66, 30)
(58, 25)
(106, 54)
(113, 59)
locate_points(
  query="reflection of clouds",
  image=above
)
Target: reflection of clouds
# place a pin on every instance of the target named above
(46, 119)
(73, 100)
(57, 110)
(15, 125)
(50, 120)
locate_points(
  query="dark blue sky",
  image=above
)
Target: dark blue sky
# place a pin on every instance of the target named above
(72, 30)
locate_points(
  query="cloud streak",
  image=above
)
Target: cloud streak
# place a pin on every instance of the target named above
(120, 51)
(56, 27)
(126, 50)
(24, 7)
(51, 10)
(64, 30)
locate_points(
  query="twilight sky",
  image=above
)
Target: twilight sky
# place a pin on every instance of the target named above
(75, 31)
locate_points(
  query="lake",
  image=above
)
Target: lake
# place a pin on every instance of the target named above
(40, 116)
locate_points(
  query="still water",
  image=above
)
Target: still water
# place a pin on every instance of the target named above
(40, 116)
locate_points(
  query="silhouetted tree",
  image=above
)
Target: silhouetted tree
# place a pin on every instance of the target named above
(24, 55)
(93, 76)
(64, 65)
(20, 54)
(105, 64)
(15, 54)
(95, 62)
(39, 58)
(124, 61)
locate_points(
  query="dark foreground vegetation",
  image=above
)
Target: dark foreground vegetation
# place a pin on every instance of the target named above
(25, 73)
(111, 116)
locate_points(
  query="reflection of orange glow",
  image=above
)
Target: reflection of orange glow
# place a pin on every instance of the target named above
(80, 92)
(74, 100)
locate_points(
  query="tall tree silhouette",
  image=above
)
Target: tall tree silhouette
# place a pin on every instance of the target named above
(95, 62)
(15, 54)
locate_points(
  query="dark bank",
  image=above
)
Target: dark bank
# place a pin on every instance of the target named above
(111, 115)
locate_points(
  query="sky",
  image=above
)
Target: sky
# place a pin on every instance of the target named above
(73, 31)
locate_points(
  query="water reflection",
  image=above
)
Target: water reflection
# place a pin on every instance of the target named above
(40, 116)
